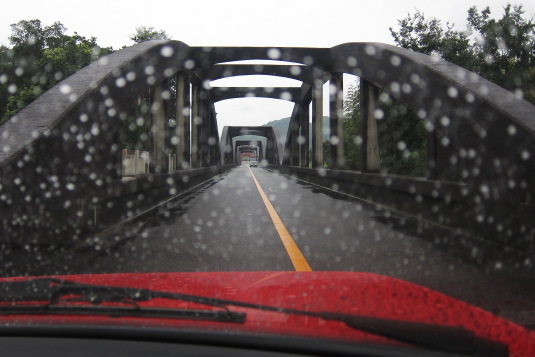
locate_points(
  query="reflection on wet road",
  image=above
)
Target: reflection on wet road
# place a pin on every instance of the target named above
(225, 226)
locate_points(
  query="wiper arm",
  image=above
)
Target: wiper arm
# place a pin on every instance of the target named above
(51, 291)
(444, 338)
(126, 311)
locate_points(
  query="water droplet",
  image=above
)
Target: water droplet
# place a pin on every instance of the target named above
(274, 53)
(65, 89)
(167, 51)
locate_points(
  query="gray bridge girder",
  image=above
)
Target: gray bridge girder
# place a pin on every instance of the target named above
(205, 57)
(291, 94)
(305, 74)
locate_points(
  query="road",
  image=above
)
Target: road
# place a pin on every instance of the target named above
(225, 225)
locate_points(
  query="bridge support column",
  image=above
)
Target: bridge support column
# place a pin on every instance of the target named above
(157, 149)
(268, 149)
(317, 125)
(226, 153)
(204, 129)
(369, 149)
(213, 138)
(271, 149)
(294, 144)
(182, 121)
(336, 123)
(304, 137)
(196, 126)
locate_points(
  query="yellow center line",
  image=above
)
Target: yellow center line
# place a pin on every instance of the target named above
(298, 260)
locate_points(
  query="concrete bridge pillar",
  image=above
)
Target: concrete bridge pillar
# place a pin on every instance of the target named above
(369, 149)
(182, 130)
(336, 123)
(271, 147)
(195, 126)
(204, 128)
(304, 137)
(317, 125)
(274, 151)
(294, 144)
(213, 142)
(158, 127)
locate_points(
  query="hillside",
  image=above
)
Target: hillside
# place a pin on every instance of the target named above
(282, 127)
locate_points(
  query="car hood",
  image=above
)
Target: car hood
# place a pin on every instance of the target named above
(363, 294)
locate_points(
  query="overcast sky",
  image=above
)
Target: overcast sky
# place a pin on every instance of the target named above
(303, 23)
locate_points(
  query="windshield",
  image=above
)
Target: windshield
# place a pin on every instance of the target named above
(299, 169)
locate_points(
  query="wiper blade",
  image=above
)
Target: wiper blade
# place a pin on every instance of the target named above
(125, 311)
(444, 338)
(51, 292)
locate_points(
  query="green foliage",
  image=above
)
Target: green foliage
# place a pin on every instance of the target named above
(16, 102)
(402, 136)
(40, 58)
(402, 139)
(352, 137)
(428, 36)
(326, 153)
(144, 33)
(136, 127)
(75, 53)
(500, 50)
(505, 48)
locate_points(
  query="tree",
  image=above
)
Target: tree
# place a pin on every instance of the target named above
(503, 51)
(500, 50)
(144, 33)
(505, 48)
(39, 59)
(418, 34)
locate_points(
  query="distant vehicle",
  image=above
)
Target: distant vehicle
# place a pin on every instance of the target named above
(253, 162)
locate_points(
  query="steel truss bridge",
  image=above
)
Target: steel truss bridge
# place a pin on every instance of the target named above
(60, 157)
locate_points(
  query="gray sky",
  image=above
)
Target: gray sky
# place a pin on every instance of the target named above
(303, 23)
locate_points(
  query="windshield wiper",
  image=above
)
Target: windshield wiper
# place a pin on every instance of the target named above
(53, 291)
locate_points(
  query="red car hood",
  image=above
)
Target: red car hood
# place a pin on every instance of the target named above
(363, 294)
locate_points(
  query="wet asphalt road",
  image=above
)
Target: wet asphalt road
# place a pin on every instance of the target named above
(224, 226)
